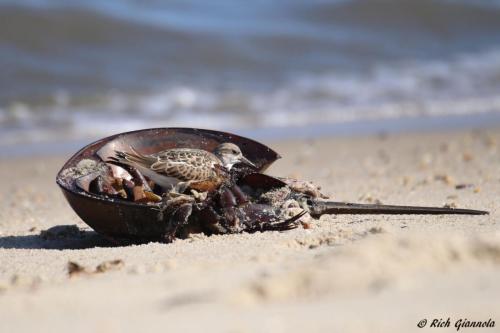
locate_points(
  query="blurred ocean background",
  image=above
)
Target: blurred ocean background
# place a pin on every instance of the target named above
(83, 69)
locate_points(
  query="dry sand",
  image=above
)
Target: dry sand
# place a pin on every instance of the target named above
(348, 273)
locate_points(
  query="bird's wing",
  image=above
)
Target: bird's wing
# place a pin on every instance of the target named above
(186, 164)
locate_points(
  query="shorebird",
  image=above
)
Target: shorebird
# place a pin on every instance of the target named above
(182, 168)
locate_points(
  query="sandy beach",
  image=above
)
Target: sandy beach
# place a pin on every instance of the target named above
(348, 273)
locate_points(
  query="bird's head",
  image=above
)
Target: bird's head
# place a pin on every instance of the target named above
(230, 154)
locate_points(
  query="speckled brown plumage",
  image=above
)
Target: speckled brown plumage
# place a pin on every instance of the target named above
(186, 164)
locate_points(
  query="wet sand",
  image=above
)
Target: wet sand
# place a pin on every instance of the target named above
(348, 273)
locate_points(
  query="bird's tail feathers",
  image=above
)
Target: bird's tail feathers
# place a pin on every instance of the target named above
(133, 158)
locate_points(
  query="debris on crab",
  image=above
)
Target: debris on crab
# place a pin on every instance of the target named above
(282, 197)
(305, 187)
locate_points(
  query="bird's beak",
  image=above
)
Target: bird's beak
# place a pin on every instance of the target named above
(246, 161)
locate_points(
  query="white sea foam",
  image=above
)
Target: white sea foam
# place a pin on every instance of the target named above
(467, 84)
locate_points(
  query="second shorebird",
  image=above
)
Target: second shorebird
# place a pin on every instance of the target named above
(182, 168)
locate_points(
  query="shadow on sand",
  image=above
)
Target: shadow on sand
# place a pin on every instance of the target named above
(61, 237)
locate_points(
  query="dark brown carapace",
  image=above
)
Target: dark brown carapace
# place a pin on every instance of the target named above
(120, 203)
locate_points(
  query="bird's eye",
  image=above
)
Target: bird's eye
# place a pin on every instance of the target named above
(234, 152)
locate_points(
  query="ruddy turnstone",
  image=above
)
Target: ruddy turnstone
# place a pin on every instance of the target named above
(182, 168)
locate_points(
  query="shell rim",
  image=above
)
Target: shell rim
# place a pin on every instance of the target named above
(114, 136)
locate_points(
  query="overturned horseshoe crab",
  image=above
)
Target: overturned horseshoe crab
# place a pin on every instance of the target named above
(124, 202)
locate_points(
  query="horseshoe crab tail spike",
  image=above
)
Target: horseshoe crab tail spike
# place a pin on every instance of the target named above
(319, 208)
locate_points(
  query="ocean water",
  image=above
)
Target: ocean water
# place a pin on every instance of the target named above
(85, 69)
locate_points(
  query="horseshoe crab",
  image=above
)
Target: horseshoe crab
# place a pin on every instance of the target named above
(120, 203)
(87, 181)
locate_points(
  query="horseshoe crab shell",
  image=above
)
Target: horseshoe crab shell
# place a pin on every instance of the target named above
(123, 220)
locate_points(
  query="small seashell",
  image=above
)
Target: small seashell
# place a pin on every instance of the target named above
(467, 157)
(462, 186)
(450, 205)
(109, 265)
(152, 197)
(139, 195)
(119, 172)
(84, 181)
(122, 193)
(76, 269)
(448, 180)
